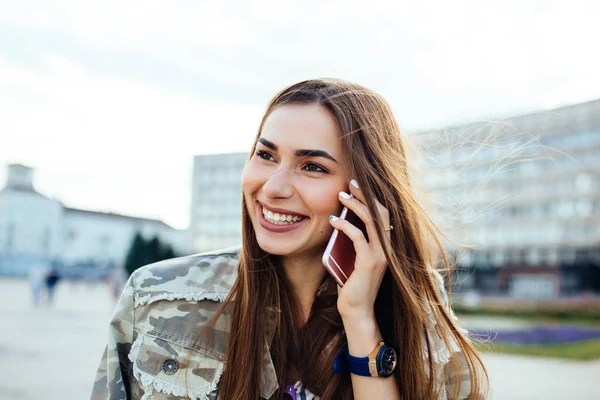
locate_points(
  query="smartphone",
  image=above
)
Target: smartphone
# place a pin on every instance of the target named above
(339, 255)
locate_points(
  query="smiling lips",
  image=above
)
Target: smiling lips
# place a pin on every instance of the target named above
(277, 220)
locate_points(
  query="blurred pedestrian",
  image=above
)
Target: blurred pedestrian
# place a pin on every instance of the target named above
(116, 281)
(52, 278)
(37, 277)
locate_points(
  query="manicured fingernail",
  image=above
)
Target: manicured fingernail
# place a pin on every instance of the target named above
(344, 195)
(354, 183)
(333, 218)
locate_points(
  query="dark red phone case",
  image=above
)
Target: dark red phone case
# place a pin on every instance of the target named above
(340, 255)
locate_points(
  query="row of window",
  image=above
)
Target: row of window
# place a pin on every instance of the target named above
(531, 233)
(533, 256)
(46, 236)
(519, 159)
(203, 242)
(563, 209)
(222, 161)
(218, 176)
(218, 208)
(219, 226)
(39, 243)
(511, 168)
(574, 139)
(483, 180)
(224, 196)
(484, 205)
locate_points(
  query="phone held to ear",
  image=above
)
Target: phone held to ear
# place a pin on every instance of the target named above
(339, 256)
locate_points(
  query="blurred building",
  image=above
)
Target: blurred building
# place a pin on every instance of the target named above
(526, 192)
(36, 229)
(215, 220)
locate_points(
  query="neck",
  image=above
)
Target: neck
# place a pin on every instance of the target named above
(305, 274)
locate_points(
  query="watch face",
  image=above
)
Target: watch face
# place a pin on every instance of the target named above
(387, 361)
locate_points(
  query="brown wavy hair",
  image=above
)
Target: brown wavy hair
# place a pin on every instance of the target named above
(265, 314)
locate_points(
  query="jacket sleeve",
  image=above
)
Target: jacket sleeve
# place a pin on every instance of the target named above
(114, 376)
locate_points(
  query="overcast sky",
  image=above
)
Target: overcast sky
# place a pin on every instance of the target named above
(110, 100)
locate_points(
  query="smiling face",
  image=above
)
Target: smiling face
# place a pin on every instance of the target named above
(292, 181)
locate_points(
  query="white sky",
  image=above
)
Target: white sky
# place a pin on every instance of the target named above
(110, 100)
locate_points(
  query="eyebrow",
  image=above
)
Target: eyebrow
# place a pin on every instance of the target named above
(301, 152)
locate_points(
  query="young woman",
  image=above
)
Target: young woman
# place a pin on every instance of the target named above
(266, 320)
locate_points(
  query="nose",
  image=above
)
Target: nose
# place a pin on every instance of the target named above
(279, 184)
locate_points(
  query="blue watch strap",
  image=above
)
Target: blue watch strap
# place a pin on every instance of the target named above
(340, 364)
(359, 365)
(356, 365)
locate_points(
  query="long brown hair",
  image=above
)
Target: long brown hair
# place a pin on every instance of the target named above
(264, 313)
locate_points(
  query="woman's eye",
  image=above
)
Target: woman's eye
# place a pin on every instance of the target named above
(264, 155)
(310, 167)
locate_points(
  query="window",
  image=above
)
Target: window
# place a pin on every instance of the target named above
(514, 257)
(583, 183)
(552, 256)
(567, 256)
(46, 242)
(481, 259)
(71, 235)
(467, 258)
(532, 257)
(529, 168)
(564, 208)
(235, 174)
(10, 233)
(537, 210)
(497, 258)
(584, 207)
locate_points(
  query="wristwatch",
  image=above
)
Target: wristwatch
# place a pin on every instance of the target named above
(380, 363)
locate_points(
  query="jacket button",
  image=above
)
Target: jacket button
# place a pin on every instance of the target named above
(170, 366)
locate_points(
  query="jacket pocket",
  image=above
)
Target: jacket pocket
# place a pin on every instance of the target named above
(164, 370)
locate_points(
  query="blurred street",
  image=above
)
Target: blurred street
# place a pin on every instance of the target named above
(53, 352)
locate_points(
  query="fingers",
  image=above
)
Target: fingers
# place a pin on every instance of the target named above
(357, 203)
(359, 194)
(369, 255)
(355, 234)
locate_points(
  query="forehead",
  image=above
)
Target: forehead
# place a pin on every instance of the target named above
(303, 126)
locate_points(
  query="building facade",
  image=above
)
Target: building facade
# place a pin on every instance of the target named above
(36, 229)
(215, 219)
(524, 191)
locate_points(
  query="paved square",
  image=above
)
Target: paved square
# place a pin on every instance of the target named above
(53, 352)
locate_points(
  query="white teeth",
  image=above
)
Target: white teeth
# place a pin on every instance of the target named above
(280, 219)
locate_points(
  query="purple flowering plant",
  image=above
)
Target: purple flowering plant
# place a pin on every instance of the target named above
(539, 335)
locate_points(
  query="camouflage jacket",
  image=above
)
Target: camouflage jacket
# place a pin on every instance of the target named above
(157, 320)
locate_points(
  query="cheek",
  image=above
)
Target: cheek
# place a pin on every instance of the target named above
(250, 180)
(323, 199)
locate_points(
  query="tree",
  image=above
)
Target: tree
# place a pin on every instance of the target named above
(167, 252)
(142, 252)
(153, 249)
(136, 254)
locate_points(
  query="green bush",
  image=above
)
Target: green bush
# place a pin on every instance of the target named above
(584, 350)
(591, 315)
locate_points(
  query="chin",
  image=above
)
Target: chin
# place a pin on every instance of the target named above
(286, 249)
(277, 249)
